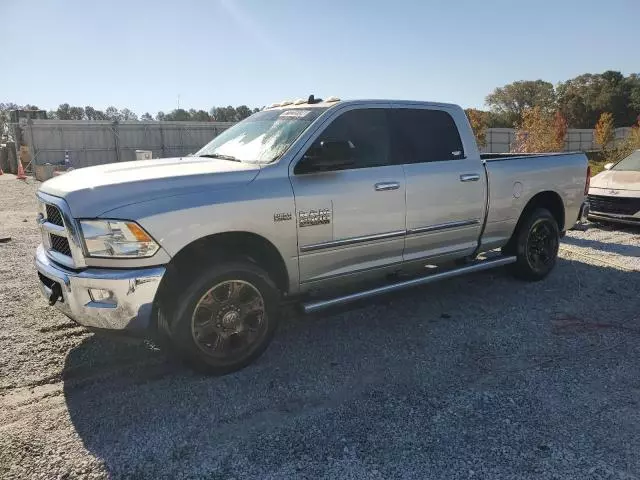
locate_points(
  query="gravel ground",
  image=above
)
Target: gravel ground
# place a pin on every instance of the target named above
(476, 377)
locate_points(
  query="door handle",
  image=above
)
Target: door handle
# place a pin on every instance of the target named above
(384, 186)
(469, 177)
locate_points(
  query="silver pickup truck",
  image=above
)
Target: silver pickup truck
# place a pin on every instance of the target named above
(315, 203)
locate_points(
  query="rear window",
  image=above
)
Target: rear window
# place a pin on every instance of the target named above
(421, 135)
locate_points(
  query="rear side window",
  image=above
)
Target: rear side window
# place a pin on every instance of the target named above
(420, 135)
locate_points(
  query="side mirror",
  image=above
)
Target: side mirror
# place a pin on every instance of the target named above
(607, 166)
(330, 155)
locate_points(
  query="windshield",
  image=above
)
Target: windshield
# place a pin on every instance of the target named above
(263, 137)
(632, 162)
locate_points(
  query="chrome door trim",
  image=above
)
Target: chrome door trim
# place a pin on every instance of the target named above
(469, 177)
(442, 226)
(354, 273)
(384, 186)
(351, 241)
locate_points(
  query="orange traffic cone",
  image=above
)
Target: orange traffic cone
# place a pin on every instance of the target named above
(21, 175)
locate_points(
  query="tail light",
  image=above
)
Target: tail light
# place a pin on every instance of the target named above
(588, 181)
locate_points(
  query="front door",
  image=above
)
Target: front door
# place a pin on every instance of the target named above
(351, 219)
(446, 190)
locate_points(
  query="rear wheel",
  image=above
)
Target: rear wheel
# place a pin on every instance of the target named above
(535, 246)
(226, 317)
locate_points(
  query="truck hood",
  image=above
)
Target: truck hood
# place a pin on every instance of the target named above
(617, 180)
(91, 191)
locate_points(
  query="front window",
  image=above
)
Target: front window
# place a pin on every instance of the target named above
(263, 137)
(630, 163)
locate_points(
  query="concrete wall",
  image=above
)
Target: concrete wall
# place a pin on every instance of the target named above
(499, 140)
(98, 142)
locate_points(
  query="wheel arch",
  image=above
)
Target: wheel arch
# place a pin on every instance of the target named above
(196, 255)
(549, 200)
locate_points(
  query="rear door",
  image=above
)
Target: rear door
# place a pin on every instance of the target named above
(351, 221)
(446, 191)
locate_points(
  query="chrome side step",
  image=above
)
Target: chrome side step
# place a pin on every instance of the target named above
(414, 282)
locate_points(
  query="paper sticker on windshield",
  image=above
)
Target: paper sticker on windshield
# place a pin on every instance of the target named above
(295, 113)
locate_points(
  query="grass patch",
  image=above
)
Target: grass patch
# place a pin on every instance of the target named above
(597, 161)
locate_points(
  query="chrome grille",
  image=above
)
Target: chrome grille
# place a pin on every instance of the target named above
(53, 215)
(616, 205)
(58, 232)
(60, 244)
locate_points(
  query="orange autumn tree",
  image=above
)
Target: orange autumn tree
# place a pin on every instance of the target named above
(604, 133)
(540, 131)
(559, 131)
(478, 121)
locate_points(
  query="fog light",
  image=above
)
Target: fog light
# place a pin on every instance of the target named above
(101, 296)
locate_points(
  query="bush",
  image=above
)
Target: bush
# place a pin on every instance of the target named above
(625, 147)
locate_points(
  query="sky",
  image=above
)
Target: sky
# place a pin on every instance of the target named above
(157, 54)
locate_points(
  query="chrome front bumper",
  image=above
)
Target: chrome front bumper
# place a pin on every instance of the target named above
(127, 309)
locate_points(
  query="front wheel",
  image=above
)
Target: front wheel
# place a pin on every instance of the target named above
(535, 246)
(226, 317)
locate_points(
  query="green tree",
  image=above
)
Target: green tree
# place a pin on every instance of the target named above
(178, 115)
(633, 86)
(584, 98)
(146, 116)
(224, 114)
(510, 101)
(91, 113)
(67, 112)
(5, 108)
(242, 112)
(199, 115)
(127, 114)
(113, 114)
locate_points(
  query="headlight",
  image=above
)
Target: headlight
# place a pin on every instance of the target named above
(117, 238)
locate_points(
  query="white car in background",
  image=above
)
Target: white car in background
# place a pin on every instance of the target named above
(614, 195)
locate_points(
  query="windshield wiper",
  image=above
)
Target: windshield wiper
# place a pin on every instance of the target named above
(219, 155)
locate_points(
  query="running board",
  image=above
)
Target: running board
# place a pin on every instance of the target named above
(311, 307)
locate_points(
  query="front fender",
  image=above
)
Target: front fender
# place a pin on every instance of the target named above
(176, 222)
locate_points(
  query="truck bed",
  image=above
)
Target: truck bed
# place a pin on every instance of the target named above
(513, 183)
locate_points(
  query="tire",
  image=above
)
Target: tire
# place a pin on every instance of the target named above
(535, 245)
(225, 317)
